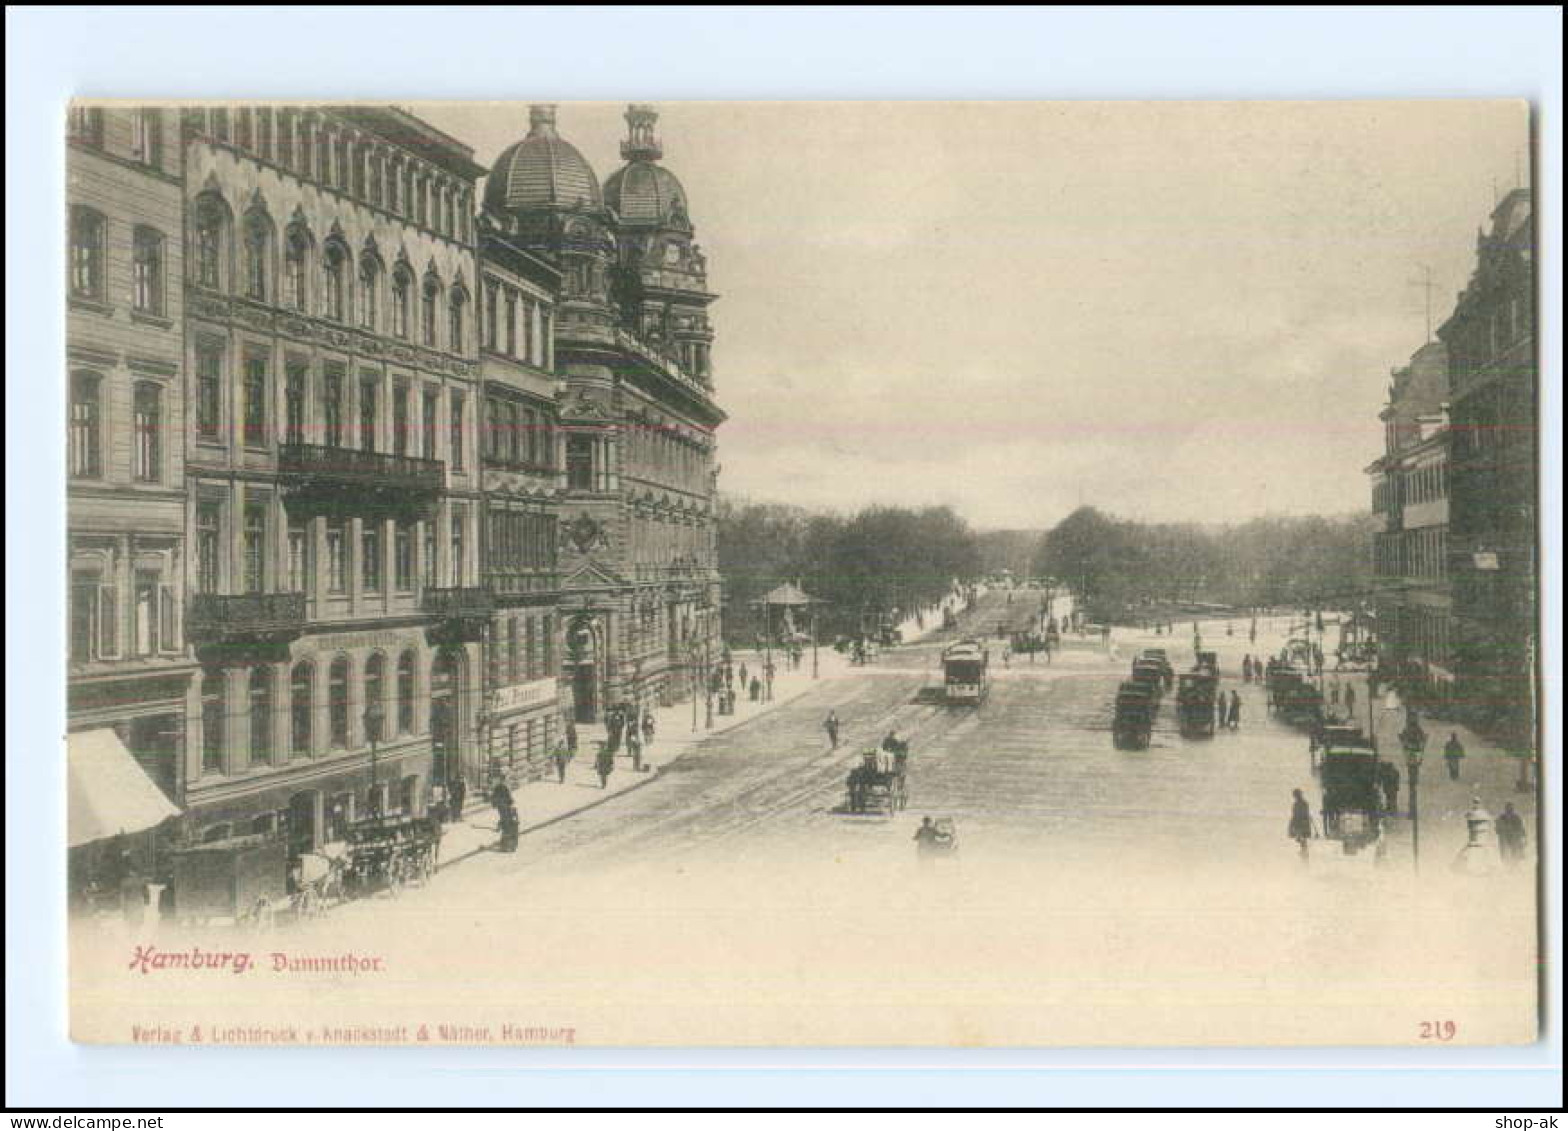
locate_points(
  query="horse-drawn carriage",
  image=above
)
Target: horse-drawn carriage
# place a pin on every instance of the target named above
(1161, 662)
(387, 853)
(1133, 724)
(1292, 694)
(1151, 675)
(879, 784)
(1195, 693)
(1352, 780)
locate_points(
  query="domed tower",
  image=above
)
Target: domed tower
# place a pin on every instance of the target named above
(545, 195)
(663, 294)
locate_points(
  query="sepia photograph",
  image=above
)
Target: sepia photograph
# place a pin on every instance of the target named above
(802, 573)
(755, 559)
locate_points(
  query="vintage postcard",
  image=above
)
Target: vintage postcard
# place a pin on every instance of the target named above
(800, 574)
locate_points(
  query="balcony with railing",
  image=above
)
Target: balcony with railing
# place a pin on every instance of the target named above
(233, 618)
(328, 466)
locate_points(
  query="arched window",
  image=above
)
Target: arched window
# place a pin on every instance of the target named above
(147, 270)
(402, 296)
(296, 268)
(405, 693)
(302, 698)
(334, 263)
(86, 425)
(211, 229)
(148, 424)
(88, 230)
(258, 254)
(261, 716)
(369, 290)
(376, 695)
(456, 318)
(337, 703)
(430, 298)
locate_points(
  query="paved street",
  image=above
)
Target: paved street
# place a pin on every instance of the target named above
(1031, 773)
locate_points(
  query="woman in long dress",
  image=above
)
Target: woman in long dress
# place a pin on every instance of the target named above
(1300, 829)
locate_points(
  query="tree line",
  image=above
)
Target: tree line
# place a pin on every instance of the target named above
(1122, 567)
(863, 566)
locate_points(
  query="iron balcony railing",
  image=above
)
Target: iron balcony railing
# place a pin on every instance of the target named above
(217, 616)
(352, 467)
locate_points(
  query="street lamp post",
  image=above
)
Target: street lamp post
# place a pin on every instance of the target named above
(372, 721)
(1413, 739)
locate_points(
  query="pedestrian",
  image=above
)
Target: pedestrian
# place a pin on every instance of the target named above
(1510, 835)
(604, 763)
(1246, 668)
(634, 747)
(571, 737)
(830, 724)
(1388, 775)
(1220, 704)
(755, 689)
(1333, 694)
(1453, 754)
(767, 675)
(1350, 700)
(744, 681)
(1234, 722)
(456, 794)
(561, 756)
(648, 727)
(926, 840)
(1300, 829)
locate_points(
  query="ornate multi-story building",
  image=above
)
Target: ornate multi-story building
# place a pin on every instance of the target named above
(367, 490)
(129, 667)
(1410, 505)
(1493, 478)
(333, 472)
(636, 417)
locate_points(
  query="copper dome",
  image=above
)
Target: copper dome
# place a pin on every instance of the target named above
(541, 171)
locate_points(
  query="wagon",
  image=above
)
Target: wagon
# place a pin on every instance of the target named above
(239, 880)
(1195, 693)
(1133, 724)
(387, 853)
(316, 882)
(870, 788)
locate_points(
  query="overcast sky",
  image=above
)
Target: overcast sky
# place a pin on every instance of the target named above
(1174, 311)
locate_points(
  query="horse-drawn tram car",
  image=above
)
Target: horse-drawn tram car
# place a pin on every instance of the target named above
(965, 678)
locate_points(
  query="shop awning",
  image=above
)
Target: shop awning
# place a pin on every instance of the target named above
(108, 792)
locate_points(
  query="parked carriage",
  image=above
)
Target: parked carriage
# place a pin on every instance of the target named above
(1133, 724)
(1292, 694)
(388, 853)
(1352, 782)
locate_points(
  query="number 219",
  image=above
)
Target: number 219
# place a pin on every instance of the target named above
(1438, 1030)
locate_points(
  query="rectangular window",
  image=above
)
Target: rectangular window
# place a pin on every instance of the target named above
(511, 323)
(400, 419)
(86, 426)
(332, 405)
(513, 649)
(368, 388)
(85, 613)
(209, 540)
(528, 332)
(294, 403)
(286, 120)
(337, 556)
(579, 463)
(147, 271)
(88, 229)
(299, 579)
(457, 548)
(428, 570)
(490, 315)
(264, 132)
(148, 622)
(494, 427)
(547, 633)
(431, 414)
(370, 555)
(255, 547)
(255, 402)
(212, 720)
(458, 402)
(531, 656)
(149, 432)
(403, 557)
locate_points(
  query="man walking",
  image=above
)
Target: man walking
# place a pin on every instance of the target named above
(1234, 722)
(830, 724)
(1510, 835)
(604, 763)
(1453, 754)
(1350, 700)
(634, 747)
(561, 755)
(455, 795)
